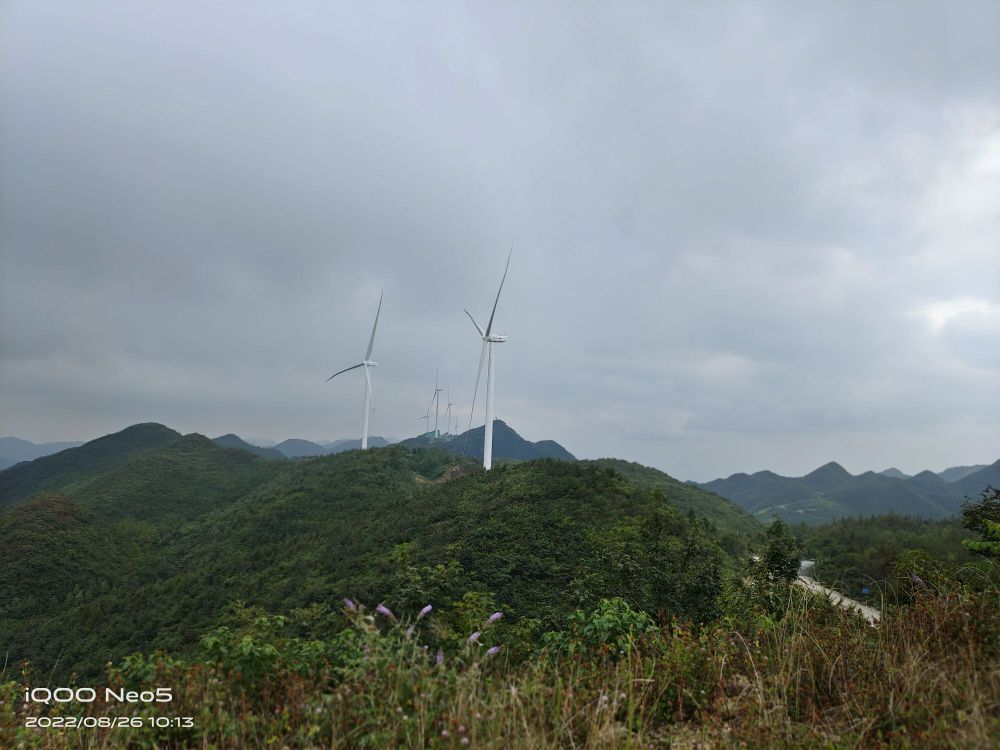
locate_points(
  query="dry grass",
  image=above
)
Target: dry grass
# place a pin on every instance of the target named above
(927, 677)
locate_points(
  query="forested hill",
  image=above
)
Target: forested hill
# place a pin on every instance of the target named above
(686, 497)
(831, 492)
(75, 466)
(507, 444)
(150, 549)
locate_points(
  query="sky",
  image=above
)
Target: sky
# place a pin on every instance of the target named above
(745, 235)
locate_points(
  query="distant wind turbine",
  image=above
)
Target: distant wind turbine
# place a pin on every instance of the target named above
(436, 398)
(447, 412)
(489, 339)
(367, 364)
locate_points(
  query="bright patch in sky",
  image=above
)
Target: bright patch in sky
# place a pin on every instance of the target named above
(938, 314)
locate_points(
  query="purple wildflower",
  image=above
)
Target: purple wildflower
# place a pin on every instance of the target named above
(425, 611)
(384, 610)
(439, 657)
(492, 650)
(350, 605)
(473, 638)
(495, 616)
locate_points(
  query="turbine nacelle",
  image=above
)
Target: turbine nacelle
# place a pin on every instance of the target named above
(494, 339)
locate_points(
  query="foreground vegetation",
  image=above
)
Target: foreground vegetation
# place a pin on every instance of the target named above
(807, 675)
(771, 666)
(425, 603)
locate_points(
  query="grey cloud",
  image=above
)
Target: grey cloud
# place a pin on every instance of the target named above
(726, 222)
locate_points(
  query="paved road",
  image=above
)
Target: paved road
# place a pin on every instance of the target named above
(869, 613)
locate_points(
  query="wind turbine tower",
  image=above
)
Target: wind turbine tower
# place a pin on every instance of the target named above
(489, 339)
(367, 363)
(447, 412)
(437, 401)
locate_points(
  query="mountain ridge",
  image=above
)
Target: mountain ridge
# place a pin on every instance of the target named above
(300, 448)
(52, 472)
(14, 450)
(830, 492)
(231, 440)
(507, 444)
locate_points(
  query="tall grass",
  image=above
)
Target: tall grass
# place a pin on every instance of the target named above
(928, 676)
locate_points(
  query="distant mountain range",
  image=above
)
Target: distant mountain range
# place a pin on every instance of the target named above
(823, 495)
(299, 448)
(506, 444)
(14, 450)
(956, 473)
(949, 475)
(235, 441)
(832, 492)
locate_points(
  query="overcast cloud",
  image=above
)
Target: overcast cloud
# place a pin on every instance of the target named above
(745, 236)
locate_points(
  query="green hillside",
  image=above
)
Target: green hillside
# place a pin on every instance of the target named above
(181, 480)
(149, 554)
(685, 497)
(76, 465)
(54, 551)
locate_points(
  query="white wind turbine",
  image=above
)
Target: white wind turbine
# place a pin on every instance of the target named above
(447, 412)
(436, 400)
(367, 364)
(489, 339)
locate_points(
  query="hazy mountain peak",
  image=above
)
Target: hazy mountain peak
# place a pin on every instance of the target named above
(507, 443)
(13, 450)
(231, 440)
(955, 473)
(298, 448)
(831, 468)
(927, 476)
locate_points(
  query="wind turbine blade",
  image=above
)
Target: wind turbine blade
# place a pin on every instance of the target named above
(482, 356)
(489, 326)
(472, 410)
(347, 369)
(478, 327)
(371, 341)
